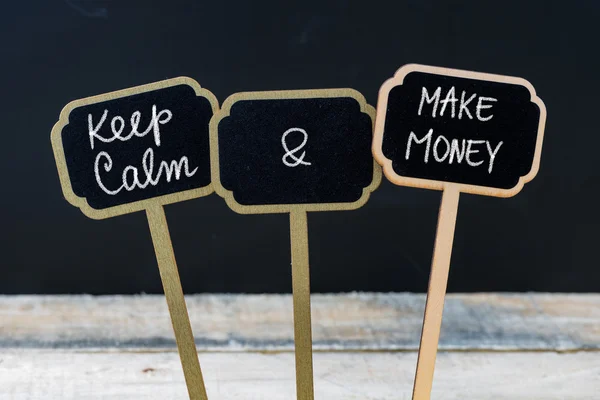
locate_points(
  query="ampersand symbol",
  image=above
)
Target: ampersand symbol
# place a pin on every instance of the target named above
(291, 153)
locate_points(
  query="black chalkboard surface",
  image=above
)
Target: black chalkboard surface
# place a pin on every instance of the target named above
(438, 125)
(117, 152)
(309, 148)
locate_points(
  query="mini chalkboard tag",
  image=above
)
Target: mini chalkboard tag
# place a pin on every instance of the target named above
(456, 131)
(293, 152)
(139, 149)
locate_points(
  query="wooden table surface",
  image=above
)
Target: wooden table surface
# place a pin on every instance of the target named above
(493, 346)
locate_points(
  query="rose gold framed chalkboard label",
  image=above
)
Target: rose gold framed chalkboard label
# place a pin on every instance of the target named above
(455, 131)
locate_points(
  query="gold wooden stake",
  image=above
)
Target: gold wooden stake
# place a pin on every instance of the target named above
(176, 302)
(301, 295)
(438, 280)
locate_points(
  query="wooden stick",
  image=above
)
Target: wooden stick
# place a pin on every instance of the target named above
(438, 280)
(176, 302)
(301, 296)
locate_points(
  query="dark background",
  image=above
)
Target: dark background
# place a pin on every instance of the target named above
(544, 239)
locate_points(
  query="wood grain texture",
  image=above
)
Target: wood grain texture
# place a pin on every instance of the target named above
(494, 347)
(42, 374)
(436, 293)
(359, 321)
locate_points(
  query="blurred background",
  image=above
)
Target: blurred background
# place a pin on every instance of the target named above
(544, 239)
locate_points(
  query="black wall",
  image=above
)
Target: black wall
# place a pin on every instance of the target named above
(544, 239)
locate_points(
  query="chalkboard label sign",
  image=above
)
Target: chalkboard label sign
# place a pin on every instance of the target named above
(294, 150)
(120, 152)
(139, 149)
(437, 126)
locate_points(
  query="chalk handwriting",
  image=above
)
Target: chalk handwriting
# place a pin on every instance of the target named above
(130, 176)
(453, 150)
(463, 104)
(117, 125)
(290, 154)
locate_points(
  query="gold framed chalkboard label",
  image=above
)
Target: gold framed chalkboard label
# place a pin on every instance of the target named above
(295, 151)
(108, 121)
(139, 149)
(284, 109)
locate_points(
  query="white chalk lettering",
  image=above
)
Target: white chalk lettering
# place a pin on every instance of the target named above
(93, 131)
(117, 131)
(130, 176)
(107, 167)
(463, 106)
(450, 98)
(292, 153)
(481, 106)
(117, 125)
(470, 151)
(135, 181)
(492, 155)
(426, 138)
(176, 167)
(435, 148)
(156, 121)
(455, 150)
(435, 99)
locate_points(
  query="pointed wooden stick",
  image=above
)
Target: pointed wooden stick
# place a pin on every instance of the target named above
(176, 302)
(438, 281)
(301, 296)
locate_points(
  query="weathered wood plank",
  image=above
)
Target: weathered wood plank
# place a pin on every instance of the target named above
(558, 322)
(38, 374)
